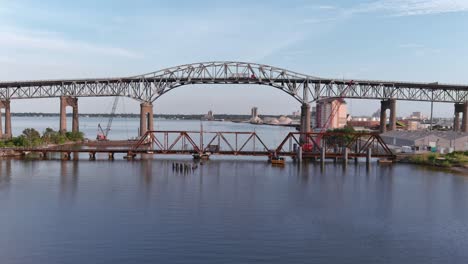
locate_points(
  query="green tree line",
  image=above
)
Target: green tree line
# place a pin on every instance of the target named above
(32, 138)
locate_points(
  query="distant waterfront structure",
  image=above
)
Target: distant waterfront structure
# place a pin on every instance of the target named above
(209, 116)
(255, 119)
(417, 116)
(282, 120)
(325, 109)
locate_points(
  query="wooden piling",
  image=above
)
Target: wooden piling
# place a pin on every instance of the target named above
(322, 157)
(368, 157)
(345, 156)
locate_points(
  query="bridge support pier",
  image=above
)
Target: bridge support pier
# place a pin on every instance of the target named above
(64, 102)
(464, 126)
(305, 122)
(456, 119)
(146, 118)
(384, 105)
(461, 108)
(7, 134)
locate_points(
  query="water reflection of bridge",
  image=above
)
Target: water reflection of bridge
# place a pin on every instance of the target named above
(318, 145)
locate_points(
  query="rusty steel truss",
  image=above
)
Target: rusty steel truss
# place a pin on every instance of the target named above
(250, 144)
(304, 88)
(334, 142)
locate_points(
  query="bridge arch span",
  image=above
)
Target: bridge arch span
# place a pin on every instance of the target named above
(219, 72)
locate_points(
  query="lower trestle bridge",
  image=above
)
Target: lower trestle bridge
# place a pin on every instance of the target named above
(297, 145)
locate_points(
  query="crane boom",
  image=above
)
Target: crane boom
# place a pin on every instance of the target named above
(102, 133)
(111, 118)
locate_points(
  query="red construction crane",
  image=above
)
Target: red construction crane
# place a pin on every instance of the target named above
(102, 133)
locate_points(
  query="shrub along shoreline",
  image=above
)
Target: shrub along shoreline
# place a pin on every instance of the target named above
(32, 138)
(454, 159)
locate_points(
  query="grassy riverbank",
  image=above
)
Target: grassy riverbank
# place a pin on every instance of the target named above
(455, 159)
(32, 138)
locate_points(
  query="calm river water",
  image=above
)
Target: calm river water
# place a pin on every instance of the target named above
(228, 211)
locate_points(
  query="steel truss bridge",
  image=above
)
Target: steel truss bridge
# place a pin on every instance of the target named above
(234, 144)
(251, 144)
(304, 88)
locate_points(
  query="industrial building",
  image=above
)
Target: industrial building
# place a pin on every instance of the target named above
(426, 140)
(331, 113)
(255, 119)
(209, 116)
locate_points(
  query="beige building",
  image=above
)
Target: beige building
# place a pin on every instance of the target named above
(413, 125)
(424, 140)
(332, 112)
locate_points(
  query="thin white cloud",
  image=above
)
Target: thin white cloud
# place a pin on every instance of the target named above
(316, 20)
(420, 50)
(322, 7)
(326, 7)
(410, 46)
(414, 7)
(50, 41)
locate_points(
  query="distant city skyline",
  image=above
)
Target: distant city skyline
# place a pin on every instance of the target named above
(372, 39)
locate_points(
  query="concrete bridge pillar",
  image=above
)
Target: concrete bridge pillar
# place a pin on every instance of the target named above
(384, 105)
(305, 121)
(392, 107)
(1, 125)
(456, 119)
(146, 117)
(64, 102)
(383, 116)
(6, 105)
(464, 126)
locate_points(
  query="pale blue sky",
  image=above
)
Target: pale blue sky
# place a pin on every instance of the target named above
(413, 40)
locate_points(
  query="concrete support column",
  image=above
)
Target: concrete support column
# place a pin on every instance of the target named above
(6, 105)
(8, 133)
(146, 118)
(63, 114)
(305, 121)
(64, 102)
(465, 118)
(383, 116)
(1, 124)
(393, 119)
(75, 122)
(384, 105)
(456, 120)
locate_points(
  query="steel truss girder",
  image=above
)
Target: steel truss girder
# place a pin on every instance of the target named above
(304, 88)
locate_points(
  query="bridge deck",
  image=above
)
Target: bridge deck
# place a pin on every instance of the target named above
(179, 152)
(304, 88)
(231, 143)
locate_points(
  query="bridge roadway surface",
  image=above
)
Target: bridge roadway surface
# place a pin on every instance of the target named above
(304, 88)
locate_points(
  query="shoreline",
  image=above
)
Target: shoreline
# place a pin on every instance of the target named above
(463, 169)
